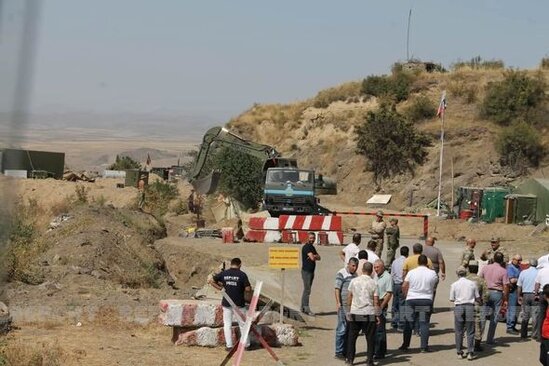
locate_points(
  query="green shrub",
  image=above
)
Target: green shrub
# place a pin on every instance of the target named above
(181, 208)
(478, 63)
(390, 143)
(241, 176)
(421, 108)
(519, 146)
(515, 97)
(123, 162)
(396, 86)
(158, 196)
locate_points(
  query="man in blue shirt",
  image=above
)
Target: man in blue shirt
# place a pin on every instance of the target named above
(342, 281)
(527, 299)
(513, 272)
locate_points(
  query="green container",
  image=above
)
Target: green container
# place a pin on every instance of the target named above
(493, 203)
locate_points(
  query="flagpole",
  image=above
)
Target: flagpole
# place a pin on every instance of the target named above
(443, 102)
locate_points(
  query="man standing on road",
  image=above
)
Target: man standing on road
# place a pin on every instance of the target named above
(498, 290)
(342, 281)
(393, 238)
(527, 299)
(488, 254)
(363, 299)
(435, 255)
(309, 257)
(351, 250)
(418, 287)
(236, 285)
(378, 232)
(480, 317)
(513, 272)
(468, 253)
(464, 293)
(398, 298)
(385, 292)
(412, 261)
(370, 249)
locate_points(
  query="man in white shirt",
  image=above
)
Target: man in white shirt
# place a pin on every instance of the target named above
(398, 299)
(464, 293)
(363, 298)
(418, 287)
(542, 279)
(370, 249)
(351, 250)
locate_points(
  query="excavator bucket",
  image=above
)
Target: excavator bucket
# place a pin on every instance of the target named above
(208, 184)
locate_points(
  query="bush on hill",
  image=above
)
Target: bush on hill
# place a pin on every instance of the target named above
(396, 86)
(390, 143)
(478, 63)
(421, 108)
(515, 97)
(519, 146)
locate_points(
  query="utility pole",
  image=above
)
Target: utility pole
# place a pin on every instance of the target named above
(408, 36)
(440, 113)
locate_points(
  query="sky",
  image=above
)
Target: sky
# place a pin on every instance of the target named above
(214, 59)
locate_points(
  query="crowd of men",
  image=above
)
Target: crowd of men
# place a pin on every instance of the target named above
(366, 285)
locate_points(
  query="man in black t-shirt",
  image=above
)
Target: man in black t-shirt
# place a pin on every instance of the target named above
(236, 284)
(309, 257)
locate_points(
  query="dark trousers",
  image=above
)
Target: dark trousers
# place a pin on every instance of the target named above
(544, 352)
(530, 309)
(381, 336)
(307, 278)
(417, 310)
(541, 314)
(366, 323)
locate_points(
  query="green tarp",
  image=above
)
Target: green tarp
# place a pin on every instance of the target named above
(493, 203)
(540, 188)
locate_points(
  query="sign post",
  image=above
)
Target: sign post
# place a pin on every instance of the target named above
(283, 258)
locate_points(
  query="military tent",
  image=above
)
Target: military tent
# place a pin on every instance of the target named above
(540, 188)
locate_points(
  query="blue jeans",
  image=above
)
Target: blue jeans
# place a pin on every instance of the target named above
(341, 333)
(420, 310)
(512, 310)
(493, 306)
(398, 304)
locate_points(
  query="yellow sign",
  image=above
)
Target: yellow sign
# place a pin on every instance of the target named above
(283, 257)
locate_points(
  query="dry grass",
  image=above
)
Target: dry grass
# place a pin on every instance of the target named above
(32, 354)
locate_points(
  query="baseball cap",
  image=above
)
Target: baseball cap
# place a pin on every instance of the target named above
(379, 213)
(494, 239)
(473, 262)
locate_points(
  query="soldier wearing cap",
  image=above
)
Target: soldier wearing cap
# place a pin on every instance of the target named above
(378, 232)
(488, 255)
(480, 320)
(468, 253)
(393, 238)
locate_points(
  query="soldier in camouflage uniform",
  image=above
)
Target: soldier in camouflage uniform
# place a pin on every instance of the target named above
(378, 232)
(468, 253)
(393, 237)
(488, 255)
(480, 317)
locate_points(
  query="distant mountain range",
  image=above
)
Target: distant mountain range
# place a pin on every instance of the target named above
(188, 127)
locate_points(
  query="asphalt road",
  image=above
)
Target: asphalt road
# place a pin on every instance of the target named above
(318, 335)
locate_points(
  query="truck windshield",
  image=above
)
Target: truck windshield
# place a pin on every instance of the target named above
(294, 176)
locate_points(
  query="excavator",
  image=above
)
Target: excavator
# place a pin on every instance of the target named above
(287, 189)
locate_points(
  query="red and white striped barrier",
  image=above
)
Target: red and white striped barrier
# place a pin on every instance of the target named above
(274, 334)
(263, 236)
(310, 223)
(190, 313)
(263, 223)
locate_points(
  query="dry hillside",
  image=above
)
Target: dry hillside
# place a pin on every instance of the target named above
(324, 138)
